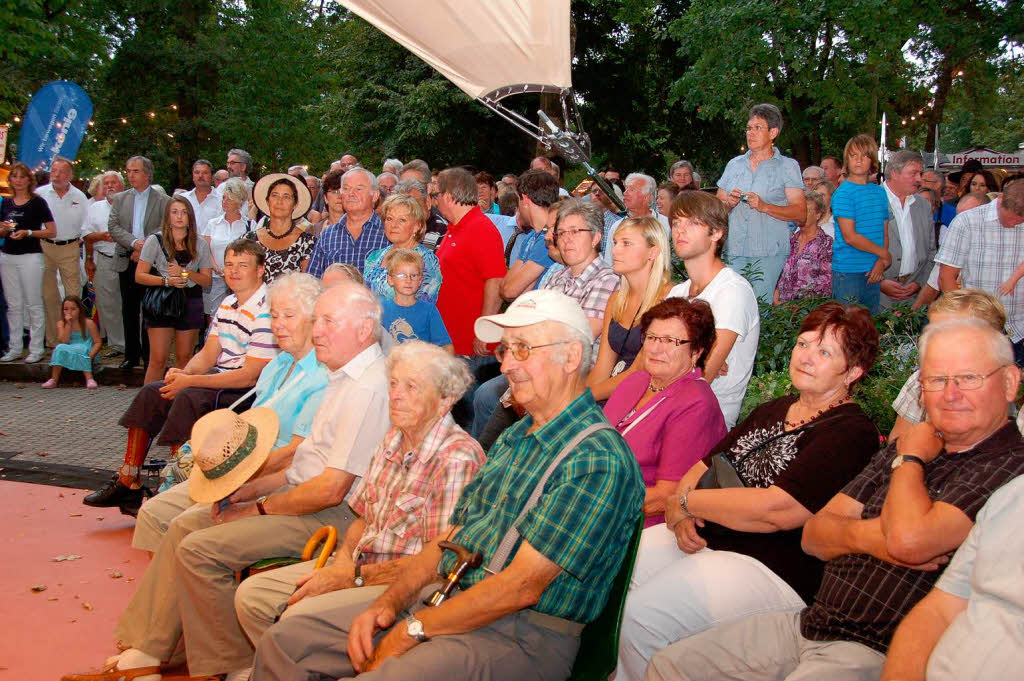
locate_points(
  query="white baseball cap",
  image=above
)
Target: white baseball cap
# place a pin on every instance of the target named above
(534, 307)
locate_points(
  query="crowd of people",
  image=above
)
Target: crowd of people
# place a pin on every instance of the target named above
(488, 386)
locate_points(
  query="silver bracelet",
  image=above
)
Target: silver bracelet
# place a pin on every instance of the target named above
(682, 505)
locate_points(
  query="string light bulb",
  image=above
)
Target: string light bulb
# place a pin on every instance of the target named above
(17, 119)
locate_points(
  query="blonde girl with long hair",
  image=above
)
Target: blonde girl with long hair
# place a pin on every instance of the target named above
(641, 257)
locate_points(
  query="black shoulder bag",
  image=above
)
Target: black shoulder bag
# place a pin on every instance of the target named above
(163, 305)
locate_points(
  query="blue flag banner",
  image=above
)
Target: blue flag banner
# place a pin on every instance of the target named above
(54, 125)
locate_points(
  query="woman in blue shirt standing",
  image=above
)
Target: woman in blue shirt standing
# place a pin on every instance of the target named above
(860, 253)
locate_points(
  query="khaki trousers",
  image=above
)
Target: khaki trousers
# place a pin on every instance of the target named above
(63, 259)
(313, 644)
(156, 515)
(189, 587)
(766, 647)
(107, 283)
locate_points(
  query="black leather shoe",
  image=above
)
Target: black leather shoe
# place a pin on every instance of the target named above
(128, 364)
(114, 494)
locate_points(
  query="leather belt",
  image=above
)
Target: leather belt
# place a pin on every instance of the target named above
(62, 242)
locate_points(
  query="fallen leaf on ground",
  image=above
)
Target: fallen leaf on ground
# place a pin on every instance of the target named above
(74, 515)
(39, 587)
(116, 574)
(87, 605)
(53, 598)
(42, 453)
(3, 433)
(70, 556)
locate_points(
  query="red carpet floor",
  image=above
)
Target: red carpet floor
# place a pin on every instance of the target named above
(69, 626)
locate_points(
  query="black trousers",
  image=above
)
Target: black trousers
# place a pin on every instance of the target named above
(173, 419)
(136, 341)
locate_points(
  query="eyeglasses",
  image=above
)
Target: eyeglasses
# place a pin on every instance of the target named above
(756, 128)
(570, 232)
(668, 340)
(933, 384)
(333, 192)
(521, 351)
(402, 276)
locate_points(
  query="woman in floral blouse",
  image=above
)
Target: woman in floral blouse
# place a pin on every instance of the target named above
(808, 269)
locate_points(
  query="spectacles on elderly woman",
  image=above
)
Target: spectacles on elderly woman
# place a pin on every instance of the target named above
(668, 340)
(521, 351)
(933, 384)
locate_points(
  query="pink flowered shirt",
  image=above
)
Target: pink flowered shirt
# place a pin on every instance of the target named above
(407, 498)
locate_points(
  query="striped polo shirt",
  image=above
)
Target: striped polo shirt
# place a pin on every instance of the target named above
(244, 330)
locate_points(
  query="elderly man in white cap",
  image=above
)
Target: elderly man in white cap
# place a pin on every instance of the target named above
(188, 589)
(546, 568)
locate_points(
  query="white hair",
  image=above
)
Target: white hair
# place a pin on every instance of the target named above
(562, 331)
(449, 374)
(369, 176)
(112, 173)
(1000, 348)
(650, 188)
(234, 188)
(298, 286)
(392, 165)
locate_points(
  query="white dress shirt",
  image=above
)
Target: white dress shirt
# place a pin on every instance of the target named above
(96, 218)
(901, 214)
(207, 210)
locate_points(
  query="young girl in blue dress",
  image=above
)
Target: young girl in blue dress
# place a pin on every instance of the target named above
(79, 340)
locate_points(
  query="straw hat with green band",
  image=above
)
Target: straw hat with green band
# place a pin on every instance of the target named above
(228, 448)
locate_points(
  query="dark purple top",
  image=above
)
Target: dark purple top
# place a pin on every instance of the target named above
(673, 431)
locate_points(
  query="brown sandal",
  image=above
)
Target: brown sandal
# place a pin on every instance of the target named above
(112, 673)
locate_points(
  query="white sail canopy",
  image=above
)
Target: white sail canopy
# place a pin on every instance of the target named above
(488, 48)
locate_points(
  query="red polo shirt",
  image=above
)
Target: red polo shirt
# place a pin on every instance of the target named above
(470, 254)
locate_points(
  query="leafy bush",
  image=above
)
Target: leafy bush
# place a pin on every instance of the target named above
(898, 329)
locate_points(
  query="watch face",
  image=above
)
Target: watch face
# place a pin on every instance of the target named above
(414, 627)
(897, 462)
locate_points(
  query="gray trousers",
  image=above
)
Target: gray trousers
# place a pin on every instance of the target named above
(766, 647)
(312, 645)
(107, 283)
(189, 587)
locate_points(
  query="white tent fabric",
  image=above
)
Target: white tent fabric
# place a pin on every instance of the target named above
(487, 48)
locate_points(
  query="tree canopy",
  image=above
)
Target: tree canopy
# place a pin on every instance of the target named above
(302, 81)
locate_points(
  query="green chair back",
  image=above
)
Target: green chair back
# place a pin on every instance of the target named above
(599, 642)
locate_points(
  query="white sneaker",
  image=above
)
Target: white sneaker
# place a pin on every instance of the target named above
(11, 356)
(33, 358)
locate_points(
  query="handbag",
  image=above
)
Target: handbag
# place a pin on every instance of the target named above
(721, 474)
(163, 305)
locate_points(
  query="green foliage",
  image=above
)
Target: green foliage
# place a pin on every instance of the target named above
(898, 329)
(301, 81)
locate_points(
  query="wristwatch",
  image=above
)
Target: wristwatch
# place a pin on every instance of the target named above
(259, 505)
(414, 628)
(359, 581)
(904, 458)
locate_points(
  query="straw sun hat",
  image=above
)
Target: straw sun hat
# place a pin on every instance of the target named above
(303, 197)
(227, 448)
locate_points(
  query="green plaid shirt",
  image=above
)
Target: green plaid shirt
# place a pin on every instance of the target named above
(583, 520)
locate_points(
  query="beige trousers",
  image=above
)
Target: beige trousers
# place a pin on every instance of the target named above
(765, 647)
(63, 259)
(189, 587)
(156, 515)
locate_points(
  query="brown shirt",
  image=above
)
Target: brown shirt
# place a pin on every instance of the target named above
(863, 598)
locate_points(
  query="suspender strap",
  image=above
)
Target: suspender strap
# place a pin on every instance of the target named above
(497, 562)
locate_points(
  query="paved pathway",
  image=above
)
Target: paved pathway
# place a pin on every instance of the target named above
(52, 436)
